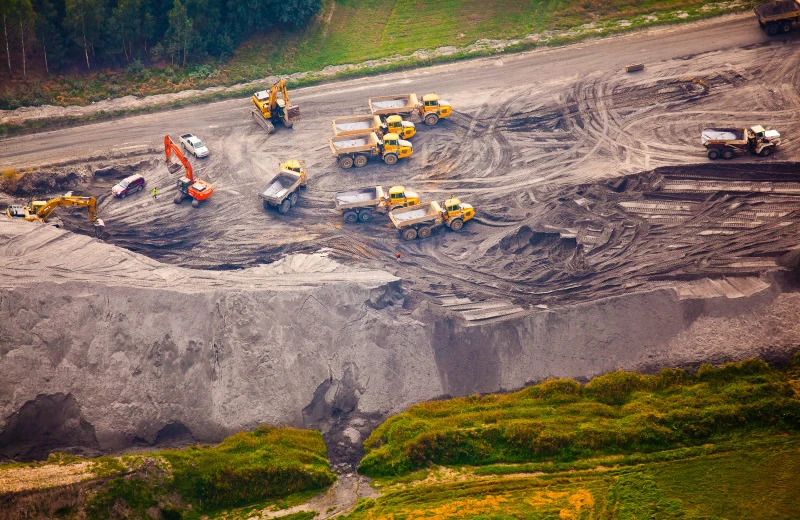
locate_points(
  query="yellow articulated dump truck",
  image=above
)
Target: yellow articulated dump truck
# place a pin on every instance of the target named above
(430, 109)
(370, 123)
(359, 204)
(355, 149)
(420, 221)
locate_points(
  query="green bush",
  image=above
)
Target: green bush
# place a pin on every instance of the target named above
(615, 388)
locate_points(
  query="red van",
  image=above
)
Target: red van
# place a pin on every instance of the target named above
(128, 185)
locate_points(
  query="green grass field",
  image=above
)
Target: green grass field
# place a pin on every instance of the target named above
(748, 478)
(721, 442)
(353, 31)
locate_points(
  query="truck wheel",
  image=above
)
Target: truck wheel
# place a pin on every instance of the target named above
(424, 232)
(713, 154)
(390, 158)
(178, 199)
(431, 119)
(266, 205)
(350, 217)
(772, 29)
(285, 206)
(293, 198)
(397, 207)
(765, 152)
(195, 203)
(409, 234)
(365, 216)
(786, 27)
(728, 153)
(122, 196)
(346, 162)
(456, 224)
(361, 161)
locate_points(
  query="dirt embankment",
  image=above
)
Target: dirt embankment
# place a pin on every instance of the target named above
(154, 351)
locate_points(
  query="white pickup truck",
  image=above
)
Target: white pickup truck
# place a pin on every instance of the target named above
(190, 143)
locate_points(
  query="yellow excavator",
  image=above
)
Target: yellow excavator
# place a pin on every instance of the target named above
(270, 108)
(41, 210)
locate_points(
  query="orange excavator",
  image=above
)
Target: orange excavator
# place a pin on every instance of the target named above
(196, 189)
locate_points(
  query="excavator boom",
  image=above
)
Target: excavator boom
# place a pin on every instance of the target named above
(67, 200)
(169, 149)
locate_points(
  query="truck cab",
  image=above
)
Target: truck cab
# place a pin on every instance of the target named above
(455, 210)
(395, 148)
(399, 198)
(761, 141)
(297, 167)
(431, 109)
(395, 125)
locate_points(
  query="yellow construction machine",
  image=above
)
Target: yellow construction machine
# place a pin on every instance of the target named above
(42, 210)
(271, 109)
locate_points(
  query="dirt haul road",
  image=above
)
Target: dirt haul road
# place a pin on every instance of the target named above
(595, 203)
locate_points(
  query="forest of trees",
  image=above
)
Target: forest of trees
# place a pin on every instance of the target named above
(114, 33)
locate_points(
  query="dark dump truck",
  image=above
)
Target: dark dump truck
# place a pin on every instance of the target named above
(777, 17)
(283, 190)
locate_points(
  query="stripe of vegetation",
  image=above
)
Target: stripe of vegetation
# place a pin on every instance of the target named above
(617, 413)
(246, 468)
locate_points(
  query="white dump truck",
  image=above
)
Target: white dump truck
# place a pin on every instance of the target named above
(358, 205)
(420, 221)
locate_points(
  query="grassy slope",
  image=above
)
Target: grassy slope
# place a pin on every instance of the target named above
(268, 464)
(352, 31)
(719, 443)
(754, 478)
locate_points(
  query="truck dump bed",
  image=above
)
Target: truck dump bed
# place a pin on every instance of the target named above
(396, 104)
(362, 142)
(421, 213)
(777, 10)
(356, 125)
(359, 198)
(722, 134)
(280, 186)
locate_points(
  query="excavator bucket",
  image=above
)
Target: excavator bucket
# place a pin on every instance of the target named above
(174, 167)
(99, 227)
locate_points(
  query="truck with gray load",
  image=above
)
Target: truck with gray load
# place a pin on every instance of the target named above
(728, 142)
(777, 17)
(359, 204)
(283, 190)
(354, 149)
(420, 221)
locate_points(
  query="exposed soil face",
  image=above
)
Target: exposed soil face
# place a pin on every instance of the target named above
(604, 240)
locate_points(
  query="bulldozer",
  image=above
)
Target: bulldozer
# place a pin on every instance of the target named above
(188, 186)
(42, 210)
(270, 108)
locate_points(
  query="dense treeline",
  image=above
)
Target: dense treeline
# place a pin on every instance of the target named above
(116, 33)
